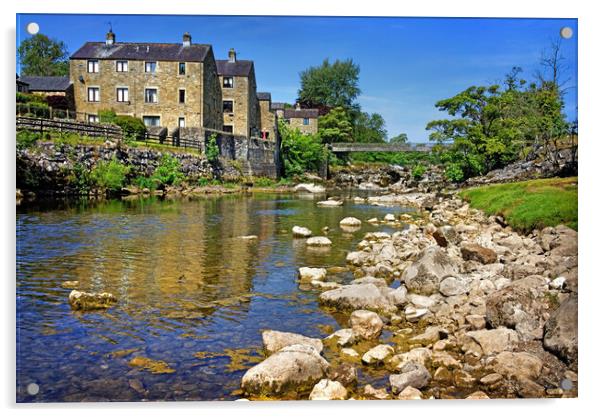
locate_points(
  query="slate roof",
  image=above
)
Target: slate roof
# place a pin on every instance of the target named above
(46, 83)
(264, 96)
(301, 113)
(143, 51)
(238, 68)
(277, 106)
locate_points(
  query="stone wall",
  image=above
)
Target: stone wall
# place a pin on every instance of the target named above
(267, 120)
(310, 129)
(244, 118)
(166, 80)
(212, 94)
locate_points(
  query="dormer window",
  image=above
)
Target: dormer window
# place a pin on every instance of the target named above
(121, 66)
(150, 67)
(92, 65)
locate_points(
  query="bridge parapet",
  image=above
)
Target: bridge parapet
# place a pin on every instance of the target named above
(379, 147)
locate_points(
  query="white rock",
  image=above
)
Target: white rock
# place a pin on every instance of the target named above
(453, 286)
(312, 274)
(366, 324)
(410, 393)
(389, 217)
(350, 352)
(330, 203)
(414, 314)
(373, 220)
(299, 231)
(377, 354)
(328, 390)
(350, 221)
(357, 297)
(558, 283)
(491, 341)
(318, 241)
(310, 188)
(344, 337)
(273, 341)
(412, 375)
(421, 301)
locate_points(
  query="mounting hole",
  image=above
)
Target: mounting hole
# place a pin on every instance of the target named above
(566, 32)
(33, 388)
(33, 28)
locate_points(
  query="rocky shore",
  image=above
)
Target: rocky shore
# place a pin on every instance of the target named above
(453, 305)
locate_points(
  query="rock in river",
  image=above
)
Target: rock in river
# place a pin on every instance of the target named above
(330, 203)
(293, 369)
(310, 188)
(491, 341)
(299, 231)
(412, 375)
(318, 241)
(357, 297)
(80, 300)
(273, 341)
(366, 324)
(328, 390)
(560, 332)
(425, 274)
(307, 274)
(378, 354)
(350, 221)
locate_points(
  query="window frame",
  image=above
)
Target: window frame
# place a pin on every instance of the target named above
(123, 98)
(124, 64)
(224, 103)
(97, 95)
(146, 89)
(154, 71)
(182, 119)
(180, 64)
(306, 121)
(93, 116)
(180, 91)
(224, 82)
(95, 66)
(154, 116)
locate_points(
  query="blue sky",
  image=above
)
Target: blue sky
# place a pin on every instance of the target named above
(406, 64)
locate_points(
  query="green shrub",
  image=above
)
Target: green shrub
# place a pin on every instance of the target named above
(107, 116)
(168, 172)
(110, 175)
(264, 182)
(418, 171)
(211, 149)
(301, 153)
(82, 178)
(145, 182)
(26, 139)
(30, 98)
(454, 172)
(133, 128)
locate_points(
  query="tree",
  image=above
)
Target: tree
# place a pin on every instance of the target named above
(369, 128)
(40, 55)
(335, 126)
(300, 153)
(399, 139)
(330, 85)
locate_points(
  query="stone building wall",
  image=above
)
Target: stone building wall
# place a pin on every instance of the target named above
(212, 95)
(267, 119)
(254, 122)
(239, 95)
(311, 128)
(166, 80)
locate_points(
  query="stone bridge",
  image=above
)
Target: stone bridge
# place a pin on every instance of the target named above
(379, 147)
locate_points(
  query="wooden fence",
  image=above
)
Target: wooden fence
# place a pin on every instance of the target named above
(96, 130)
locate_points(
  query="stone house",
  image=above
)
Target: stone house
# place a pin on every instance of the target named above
(268, 122)
(278, 108)
(22, 86)
(165, 84)
(239, 94)
(306, 120)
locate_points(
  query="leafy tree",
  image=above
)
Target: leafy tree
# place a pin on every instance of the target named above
(369, 128)
(399, 139)
(40, 55)
(212, 149)
(335, 126)
(301, 153)
(330, 85)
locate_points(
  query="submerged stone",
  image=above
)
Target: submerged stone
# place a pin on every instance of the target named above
(80, 300)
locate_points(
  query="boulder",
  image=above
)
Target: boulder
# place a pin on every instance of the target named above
(328, 390)
(318, 241)
(489, 342)
(430, 335)
(350, 221)
(273, 341)
(474, 252)
(398, 296)
(560, 332)
(299, 231)
(410, 393)
(389, 217)
(344, 373)
(426, 273)
(357, 297)
(453, 286)
(310, 188)
(478, 395)
(379, 282)
(377, 394)
(330, 203)
(343, 337)
(414, 314)
(417, 355)
(378, 354)
(307, 274)
(445, 235)
(80, 300)
(517, 364)
(412, 375)
(293, 369)
(366, 324)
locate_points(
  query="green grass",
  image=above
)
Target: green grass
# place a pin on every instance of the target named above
(529, 205)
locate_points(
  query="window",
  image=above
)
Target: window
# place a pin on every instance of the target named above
(306, 121)
(122, 66)
(228, 128)
(228, 82)
(182, 96)
(182, 68)
(181, 122)
(93, 94)
(123, 94)
(93, 65)
(228, 106)
(150, 95)
(92, 118)
(151, 120)
(150, 66)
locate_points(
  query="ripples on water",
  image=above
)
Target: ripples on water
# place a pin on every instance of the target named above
(186, 285)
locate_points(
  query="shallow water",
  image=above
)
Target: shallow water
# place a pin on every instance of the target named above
(191, 293)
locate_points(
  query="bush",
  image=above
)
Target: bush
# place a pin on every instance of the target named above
(264, 182)
(454, 173)
(418, 171)
(110, 175)
(212, 150)
(107, 116)
(168, 172)
(26, 139)
(30, 98)
(82, 178)
(301, 153)
(145, 182)
(133, 128)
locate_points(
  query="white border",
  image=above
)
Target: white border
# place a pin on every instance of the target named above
(590, 33)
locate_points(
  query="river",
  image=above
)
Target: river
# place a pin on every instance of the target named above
(191, 292)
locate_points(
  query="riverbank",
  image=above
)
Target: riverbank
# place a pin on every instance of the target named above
(455, 305)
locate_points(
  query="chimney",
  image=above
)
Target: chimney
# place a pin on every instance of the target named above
(298, 106)
(231, 55)
(110, 37)
(186, 39)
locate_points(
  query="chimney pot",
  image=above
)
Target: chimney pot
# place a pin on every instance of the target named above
(186, 39)
(110, 37)
(232, 55)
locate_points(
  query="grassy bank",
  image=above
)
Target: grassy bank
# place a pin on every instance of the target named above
(531, 204)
